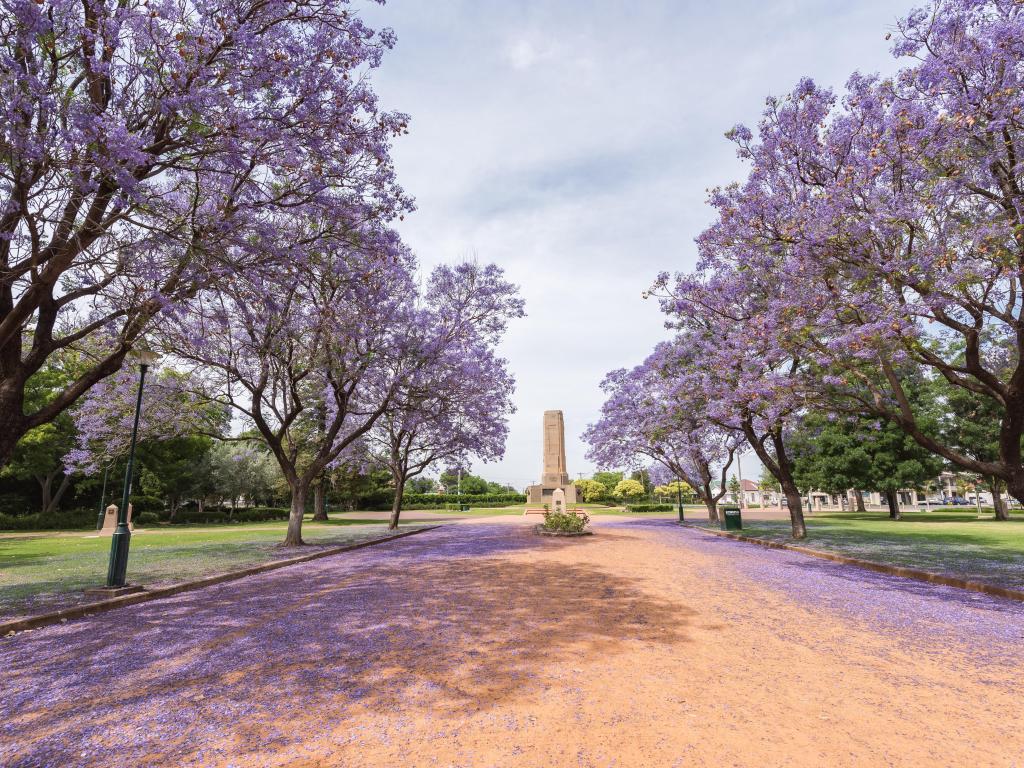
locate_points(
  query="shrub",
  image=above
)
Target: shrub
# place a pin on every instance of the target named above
(141, 504)
(382, 500)
(565, 522)
(650, 508)
(628, 489)
(225, 515)
(55, 521)
(591, 490)
(147, 518)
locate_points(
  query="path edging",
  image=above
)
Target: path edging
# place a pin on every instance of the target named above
(100, 606)
(890, 570)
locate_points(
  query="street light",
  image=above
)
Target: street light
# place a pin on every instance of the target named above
(119, 541)
(103, 498)
(679, 497)
(739, 471)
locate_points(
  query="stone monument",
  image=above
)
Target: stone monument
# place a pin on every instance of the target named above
(110, 520)
(554, 477)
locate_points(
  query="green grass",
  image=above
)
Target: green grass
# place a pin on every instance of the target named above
(953, 542)
(47, 570)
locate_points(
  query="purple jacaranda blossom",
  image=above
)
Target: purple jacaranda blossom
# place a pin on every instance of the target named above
(876, 239)
(312, 355)
(150, 150)
(454, 401)
(647, 417)
(170, 408)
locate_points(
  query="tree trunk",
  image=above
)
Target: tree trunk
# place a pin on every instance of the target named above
(396, 505)
(52, 501)
(710, 502)
(44, 492)
(200, 504)
(782, 470)
(998, 504)
(712, 506)
(859, 495)
(298, 509)
(320, 501)
(12, 403)
(894, 507)
(796, 512)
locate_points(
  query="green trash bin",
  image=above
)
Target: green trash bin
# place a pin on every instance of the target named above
(464, 507)
(732, 520)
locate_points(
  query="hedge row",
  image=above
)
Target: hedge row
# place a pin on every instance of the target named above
(382, 500)
(225, 515)
(650, 507)
(454, 505)
(56, 521)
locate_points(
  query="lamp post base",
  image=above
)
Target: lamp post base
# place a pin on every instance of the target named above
(127, 589)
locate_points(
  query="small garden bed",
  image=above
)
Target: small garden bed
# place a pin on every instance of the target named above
(569, 523)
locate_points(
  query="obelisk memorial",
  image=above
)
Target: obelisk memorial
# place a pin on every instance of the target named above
(554, 474)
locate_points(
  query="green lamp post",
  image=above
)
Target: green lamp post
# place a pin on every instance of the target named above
(103, 498)
(679, 497)
(122, 535)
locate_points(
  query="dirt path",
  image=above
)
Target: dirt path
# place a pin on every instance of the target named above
(483, 645)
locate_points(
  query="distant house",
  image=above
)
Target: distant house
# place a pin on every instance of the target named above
(948, 488)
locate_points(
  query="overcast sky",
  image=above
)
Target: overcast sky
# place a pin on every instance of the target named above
(572, 142)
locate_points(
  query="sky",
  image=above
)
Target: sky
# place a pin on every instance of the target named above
(573, 142)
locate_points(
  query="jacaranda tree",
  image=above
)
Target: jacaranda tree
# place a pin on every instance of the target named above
(148, 147)
(309, 357)
(646, 418)
(885, 229)
(454, 397)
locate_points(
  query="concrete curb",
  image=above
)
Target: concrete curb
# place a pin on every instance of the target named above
(77, 611)
(889, 570)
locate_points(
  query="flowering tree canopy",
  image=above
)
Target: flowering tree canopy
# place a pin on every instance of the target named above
(646, 417)
(878, 239)
(454, 402)
(885, 232)
(149, 149)
(104, 417)
(309, 357)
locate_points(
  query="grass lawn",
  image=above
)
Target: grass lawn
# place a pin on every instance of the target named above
(951, 542)
(48, 570)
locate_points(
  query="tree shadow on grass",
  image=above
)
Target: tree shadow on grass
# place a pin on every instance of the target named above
(433, 628)
(810, 575)
(864, 578)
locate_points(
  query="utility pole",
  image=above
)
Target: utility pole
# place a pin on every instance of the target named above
(739, 471)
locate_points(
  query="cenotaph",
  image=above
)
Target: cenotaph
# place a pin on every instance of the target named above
(554, 477)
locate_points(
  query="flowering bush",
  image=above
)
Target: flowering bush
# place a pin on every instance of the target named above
(565, 522)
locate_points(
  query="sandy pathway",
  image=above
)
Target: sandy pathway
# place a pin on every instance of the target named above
(483, 645)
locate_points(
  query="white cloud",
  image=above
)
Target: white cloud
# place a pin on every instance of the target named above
(522, 53)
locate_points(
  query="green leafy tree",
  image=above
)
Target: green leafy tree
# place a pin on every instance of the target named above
(609, 480)
(972, 427)
(629, 490)
(735, 488)
(39, 454)
(839, 453)
(591, 491)
(244, 471)
(420, 485)
(470, 484)
(676, 489)
(177, 468)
